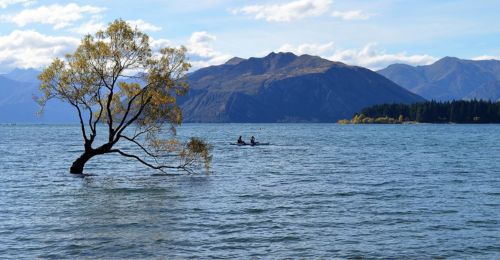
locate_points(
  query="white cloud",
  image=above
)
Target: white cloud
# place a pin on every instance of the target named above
(375, 59)
(156, 45)
(308, 48)
(486, 57)
(201, 51)
(143, 26)
(60, 16)
(351, 15)
(200, 43)
(31, 49)
(96, 23)
(6, 3)
(294, 10)
(369, 56)
(90, 27)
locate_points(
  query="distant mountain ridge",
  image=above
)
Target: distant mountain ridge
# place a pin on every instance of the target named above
(23, 75)
(280, 87)
(449, 78)
(283, 87)
(17, 105)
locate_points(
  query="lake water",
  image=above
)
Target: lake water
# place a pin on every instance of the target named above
(318, 191)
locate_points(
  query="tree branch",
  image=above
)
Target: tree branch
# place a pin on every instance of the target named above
(133, 118)
(140, 146)
(110, 116)
(129, 106)
(156, 167)
(100, 111)
(82, 125)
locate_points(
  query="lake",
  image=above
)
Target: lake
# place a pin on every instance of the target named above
(318, 191)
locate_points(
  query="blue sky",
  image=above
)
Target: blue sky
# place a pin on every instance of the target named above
(369, 33)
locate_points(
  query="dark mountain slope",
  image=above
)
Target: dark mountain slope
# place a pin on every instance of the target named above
(284, 87)
(487, 91)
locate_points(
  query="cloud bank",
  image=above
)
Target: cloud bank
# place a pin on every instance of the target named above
(287, 12)
(369, 56)
(60, 16)
(201, 51)
(31, 49)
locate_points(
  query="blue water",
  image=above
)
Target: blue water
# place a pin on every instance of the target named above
(318, 191)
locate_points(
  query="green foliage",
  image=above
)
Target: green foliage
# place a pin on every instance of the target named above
(472, 111)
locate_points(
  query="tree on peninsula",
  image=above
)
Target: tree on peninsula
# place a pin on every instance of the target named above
(125, 92)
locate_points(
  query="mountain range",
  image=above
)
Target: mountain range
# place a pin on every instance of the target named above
(17, 89)
(449, 78)
(283, 87)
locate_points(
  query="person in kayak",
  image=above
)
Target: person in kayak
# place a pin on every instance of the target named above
(252, 141)
(240, 140)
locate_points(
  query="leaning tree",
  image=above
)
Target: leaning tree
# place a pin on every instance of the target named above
(125, 92)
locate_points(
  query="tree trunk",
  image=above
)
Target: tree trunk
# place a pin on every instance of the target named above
(79, 164)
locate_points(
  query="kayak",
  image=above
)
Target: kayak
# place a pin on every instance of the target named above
(248, 144)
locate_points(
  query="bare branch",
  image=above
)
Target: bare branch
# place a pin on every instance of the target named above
(110, 116)
(132, 120)
(140, 146)
(156, 167)
(100, 112)
(82, 125)
(129, 106)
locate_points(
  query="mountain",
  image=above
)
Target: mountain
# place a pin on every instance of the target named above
(487, 91)
(283, 87)
(23, 75)
(17, 104)
(449, 78)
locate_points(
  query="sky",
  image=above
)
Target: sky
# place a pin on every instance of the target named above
(368, 33)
